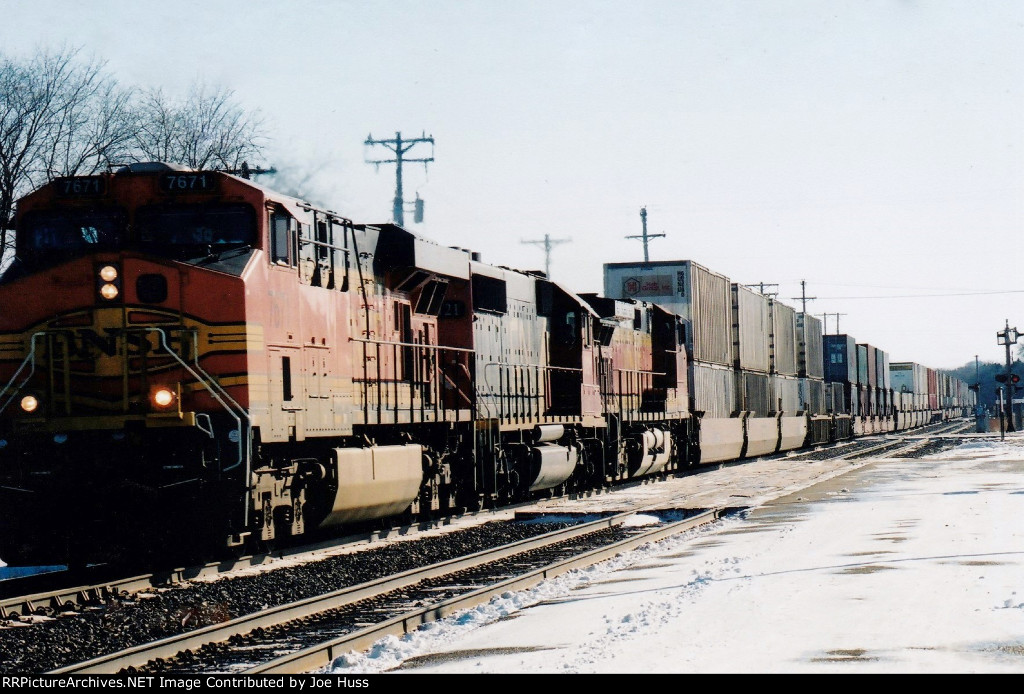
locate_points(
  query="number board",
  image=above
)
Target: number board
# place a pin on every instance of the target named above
(80, 186)
(188, 183)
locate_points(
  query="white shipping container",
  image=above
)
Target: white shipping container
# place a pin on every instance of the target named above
(702, 298)
(811, 361)
(784, 343)
(787, 394)
(751, 328)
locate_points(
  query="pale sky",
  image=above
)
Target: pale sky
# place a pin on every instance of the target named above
(871, 148)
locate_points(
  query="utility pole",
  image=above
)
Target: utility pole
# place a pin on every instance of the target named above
(761, 286)
(803, 298)
(1008, 337)
(824, 318)
(245, 171)
(548, 243)
(400, 147)
(645, 236)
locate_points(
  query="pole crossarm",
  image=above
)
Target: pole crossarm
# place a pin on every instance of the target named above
(400, 146)
(645, 236)
(547, 243)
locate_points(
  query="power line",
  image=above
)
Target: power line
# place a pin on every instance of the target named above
(761, 288)
(925, 296)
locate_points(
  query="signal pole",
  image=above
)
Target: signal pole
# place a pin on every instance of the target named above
(548, 243)
(645, 236)
(400, 147)
(1008, 337)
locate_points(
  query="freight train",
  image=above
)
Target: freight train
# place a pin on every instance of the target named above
(191, 361)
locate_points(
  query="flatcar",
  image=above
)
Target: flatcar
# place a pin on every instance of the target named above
(190, 361)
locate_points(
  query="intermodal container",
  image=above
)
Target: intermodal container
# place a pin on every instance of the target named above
(784, 343)
(701, 297)
(751, 329)
(840, 355)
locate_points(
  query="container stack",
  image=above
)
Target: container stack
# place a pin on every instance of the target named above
(703, 299)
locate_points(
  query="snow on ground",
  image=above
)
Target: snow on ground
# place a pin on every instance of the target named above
(901, 566)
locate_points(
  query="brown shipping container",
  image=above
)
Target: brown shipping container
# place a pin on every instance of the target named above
(785, 347)
(751, 328)
(933, 389)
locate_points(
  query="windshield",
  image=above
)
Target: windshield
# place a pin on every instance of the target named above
(211, 227)
(71, 230)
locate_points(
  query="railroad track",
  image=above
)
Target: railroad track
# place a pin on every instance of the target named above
(891, 444)
(60, 591)
(354, 617)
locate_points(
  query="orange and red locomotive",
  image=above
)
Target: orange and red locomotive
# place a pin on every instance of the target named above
(188, 360)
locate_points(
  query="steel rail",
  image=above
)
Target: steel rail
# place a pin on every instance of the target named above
(171, 646)
(322, 655)
(64, 597)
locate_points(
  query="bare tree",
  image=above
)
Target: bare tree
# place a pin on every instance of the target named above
(207, 129)
(60, 115)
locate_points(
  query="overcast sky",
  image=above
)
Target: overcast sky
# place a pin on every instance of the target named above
(871, 148)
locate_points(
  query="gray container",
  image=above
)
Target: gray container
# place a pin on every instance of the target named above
(702, 298)
(887, 382)
(880, 369)
(784, 343)
(812, 394)
(811, 364)
(751, 328)
(835, 398)
(714, 390)
(787, 394)
(862, 365)
(757, 394)
(904, 379)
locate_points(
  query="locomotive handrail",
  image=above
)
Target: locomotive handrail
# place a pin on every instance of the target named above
(199, 375)
(635, 400)
(503, 392)
(408, 344)
(29, 358)
(430, 384)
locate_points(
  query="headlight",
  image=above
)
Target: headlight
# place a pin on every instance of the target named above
(163, 397)
(109, 291)
(29, 403)
(108, 273)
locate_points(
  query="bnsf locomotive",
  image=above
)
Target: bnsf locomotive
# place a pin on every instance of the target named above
(187, 355)
(189, 360)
